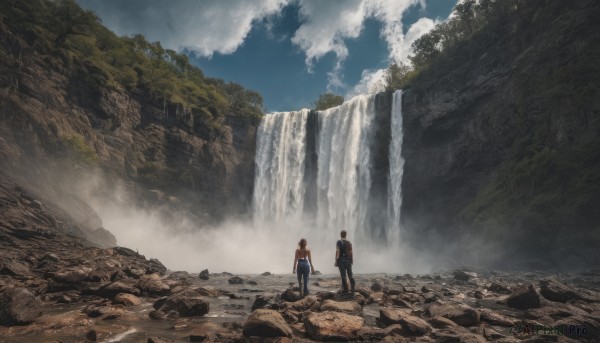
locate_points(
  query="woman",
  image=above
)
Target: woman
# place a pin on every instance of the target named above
(303, 262)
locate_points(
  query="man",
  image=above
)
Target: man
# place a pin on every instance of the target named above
(343, 260)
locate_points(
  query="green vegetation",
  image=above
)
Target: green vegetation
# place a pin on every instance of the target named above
(63, 30)
(447, 38)
(76, 148)
(328, 100)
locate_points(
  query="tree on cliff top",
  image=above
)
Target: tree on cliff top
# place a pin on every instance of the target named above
(328, 100)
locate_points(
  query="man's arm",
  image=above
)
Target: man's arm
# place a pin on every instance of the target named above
(337, 253)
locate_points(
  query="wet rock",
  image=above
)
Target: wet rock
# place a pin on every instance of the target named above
(332, 326)
(236, 280)
(415, 326)
(581, 327)
(266, 323)
(498, 287)
(349, 307)
(291, 295)
(494, 318)
(153, 285)
(135, 272)
(457, 334)
(14, 268)
(211, 332)
(127, 299)
(209, 291)
(114, 288)
(204, 275)
(523, 297)
(459, 313)
(389, 316)
(441, 322)
(373, 334)
(157, 340)
(559, 292)
(460, 275)
(18, 306)
(179, 275)
(186, 303)
(155, 266)
(377, 287)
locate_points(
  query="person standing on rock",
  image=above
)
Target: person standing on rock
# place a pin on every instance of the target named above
(303, 263)
(343, 260)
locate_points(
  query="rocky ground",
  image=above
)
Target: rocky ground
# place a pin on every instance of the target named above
(55, 286)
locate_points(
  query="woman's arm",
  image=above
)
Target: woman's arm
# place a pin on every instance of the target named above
(312, 268)
(295, 260)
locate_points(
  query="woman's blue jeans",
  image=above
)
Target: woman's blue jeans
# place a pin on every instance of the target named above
(303, 270)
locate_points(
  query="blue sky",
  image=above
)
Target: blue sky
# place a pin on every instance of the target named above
(290, 51)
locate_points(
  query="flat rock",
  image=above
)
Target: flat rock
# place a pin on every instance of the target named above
(266, 323)
(333, 326)
(186, 303)
(459, 313)
(310, 302)
(18, 306)
(153, 285)
(117, 287)
(349, 307)
(415, 326)
(389, 316)
(495, 318)
(559, 292)
(441, 322)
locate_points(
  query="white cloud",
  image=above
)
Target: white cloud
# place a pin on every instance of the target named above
(372, 81)
(204, 27)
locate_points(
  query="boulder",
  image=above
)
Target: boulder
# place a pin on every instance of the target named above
(127, 299)
(389, 316)
(266, 323)
(498, 287)
(556, 291)
(14, 268)
(349, 307)
(18, 306)
(186, 303)
(291, 295)
(266, 274)
(179, 275)
(459, 313)
(523, 297)
(309, 302)
(153, 285)
(204, 275)
(441, 322)
(377, 287)
(415, 326)
(494, 318)
(236, 280)
(155, 266)
(333, 326)
(460, 275)
(263, 301)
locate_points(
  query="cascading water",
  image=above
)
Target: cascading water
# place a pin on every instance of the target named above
(396, 169)
(343, 176)
(280, 157)
(329, 170)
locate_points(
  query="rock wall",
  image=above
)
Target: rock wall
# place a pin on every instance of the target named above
(49, 111)
(500, 137)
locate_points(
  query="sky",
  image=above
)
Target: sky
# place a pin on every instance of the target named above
(290, 51)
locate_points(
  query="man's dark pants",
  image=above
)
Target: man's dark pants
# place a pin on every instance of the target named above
(345, 267)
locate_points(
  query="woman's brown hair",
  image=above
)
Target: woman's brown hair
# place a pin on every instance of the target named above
(302, 243)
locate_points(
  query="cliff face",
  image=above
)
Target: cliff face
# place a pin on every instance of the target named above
(502, 143)
(49, 111)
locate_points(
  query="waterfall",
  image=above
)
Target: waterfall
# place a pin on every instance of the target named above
(396, 169)
(335, 169)
(343, 176)
(280, 157)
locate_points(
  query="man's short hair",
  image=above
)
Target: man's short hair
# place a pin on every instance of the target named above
(343, 233)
